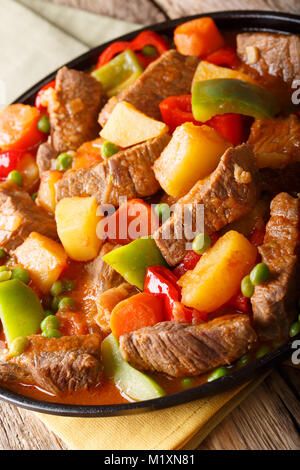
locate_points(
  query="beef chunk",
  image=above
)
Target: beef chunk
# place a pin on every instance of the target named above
(276, 141)
(100, 274)
(170, 75)
(19, 216)
(227, 194)
(277, 54)
(127, 173)
(180, 349)
(73, 108)
(274, 302)
(56, 364)
(45, 157)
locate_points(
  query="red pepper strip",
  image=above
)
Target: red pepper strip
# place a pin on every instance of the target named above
(177, 110)
(9, 160)
(146, 38)
(39, 95)
(225, 56)
(239, 302)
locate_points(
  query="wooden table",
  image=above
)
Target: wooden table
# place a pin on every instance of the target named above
(270, 417)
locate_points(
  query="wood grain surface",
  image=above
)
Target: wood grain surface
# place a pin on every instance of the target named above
(270, 417)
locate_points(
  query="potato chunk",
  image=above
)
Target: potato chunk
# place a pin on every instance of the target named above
(47, 194)
(218, 274)
(208, 71)
(44, 258)
(77, 220)
(192, 154)
(128, 126)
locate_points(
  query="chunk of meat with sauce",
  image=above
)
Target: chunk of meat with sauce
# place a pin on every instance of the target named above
(272, 59)
(170, 75)
(100, 274)
(229, 193)
(45, 157)
(127, 173)
(274, 302)
(68, 363)
(180, 349)
(276, 142)
(19, 216)
(73, 109)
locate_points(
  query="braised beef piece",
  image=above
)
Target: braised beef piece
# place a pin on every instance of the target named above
(56, 364)
(73, 109)
(127, 173)
(180, 349)
(284, 180)
(276, 141)
(274, 302)
(275, 62)
(170, 75)
(19, 216)
(230, 192)
(45, 157)
(100, 274)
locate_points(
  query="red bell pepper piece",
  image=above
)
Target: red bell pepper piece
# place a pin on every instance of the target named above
(240, 302)
(225, 56)
(9, 160)
(146, 38)
(177, 110)
(40, 93)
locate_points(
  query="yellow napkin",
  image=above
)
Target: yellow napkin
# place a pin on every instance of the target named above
(36, 38)
(181, 427)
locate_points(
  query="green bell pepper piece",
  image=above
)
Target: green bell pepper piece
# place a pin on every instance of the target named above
(132, 260)
(20, 310)
(119, 73)
(134, 383)
(226, 95)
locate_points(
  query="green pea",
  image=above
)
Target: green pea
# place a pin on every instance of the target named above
(5, 275)
(34, 196)
(295, 329)
(43, 124)
(63, 161)
(149, 51)
(66, 303)
(18, 346)
(243, 360)
(2, 253)
(259, 274)
(108, 149)
(162, 211)
(187, 382)
(55, 303)
(51, 322)
(68, 285)
(21, 274)
(16, 177)
(217, 374)
(247, 288)
(262, 351)
(52, 333)
(201, 243)
(56, 288)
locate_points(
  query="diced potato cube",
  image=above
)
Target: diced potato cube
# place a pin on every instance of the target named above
(30, 172)
(128, 126)
(47, 193)
(208, 71)
(218, 274)
(77, 220)
(44, 258)
(192, 154)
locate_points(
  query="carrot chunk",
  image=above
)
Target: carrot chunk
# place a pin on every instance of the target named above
(18, 127)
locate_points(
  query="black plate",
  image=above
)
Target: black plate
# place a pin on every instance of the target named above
(231, 20)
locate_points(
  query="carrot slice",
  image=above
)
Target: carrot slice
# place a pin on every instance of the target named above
(198, 37)
(18, 127)
(131, 314)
